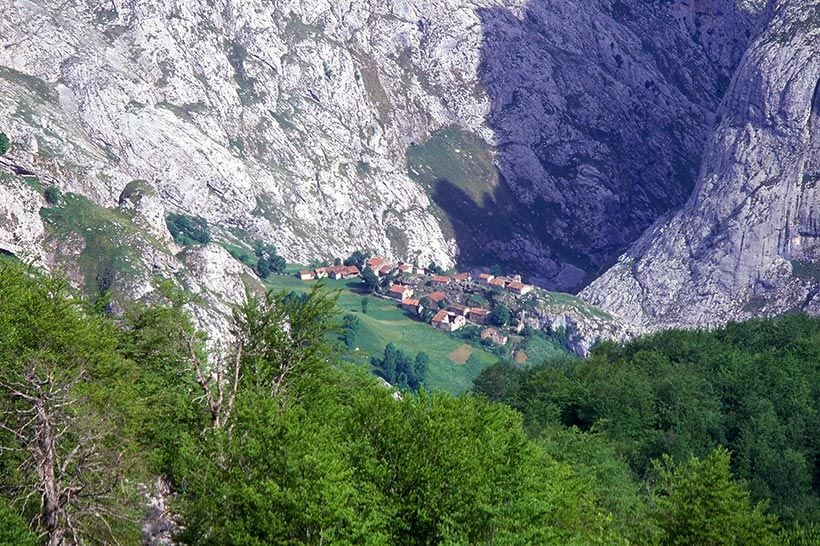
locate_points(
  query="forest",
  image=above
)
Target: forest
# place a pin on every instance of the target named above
(678, 438)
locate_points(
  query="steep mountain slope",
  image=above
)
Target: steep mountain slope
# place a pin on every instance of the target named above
(599, 112)
(748, 240)
(544, 134)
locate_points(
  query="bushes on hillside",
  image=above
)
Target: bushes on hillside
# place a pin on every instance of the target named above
(268, 260)
(286, 445)
(188, 230)
(753, 388)
(53, 195)
(400, 369)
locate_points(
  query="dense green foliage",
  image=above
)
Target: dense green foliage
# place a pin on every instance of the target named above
(188, 230)
(370, 280)
(350, 330)
(268, 260)
(357, 258)
(500, 315)
(400, 369)
(283, 444)
(435, 269)
(62, 383)
(690, 495)
(53, 195)
(13, 528)
(753, 388)
(5, 144)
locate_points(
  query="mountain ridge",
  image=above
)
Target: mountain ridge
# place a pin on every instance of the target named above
(746, 242)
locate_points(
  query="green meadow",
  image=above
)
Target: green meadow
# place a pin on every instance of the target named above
(454, 363)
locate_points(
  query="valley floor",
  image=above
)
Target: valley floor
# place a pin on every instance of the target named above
(454, 363)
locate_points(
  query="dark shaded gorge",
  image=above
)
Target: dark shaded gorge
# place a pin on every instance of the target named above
(599, 112)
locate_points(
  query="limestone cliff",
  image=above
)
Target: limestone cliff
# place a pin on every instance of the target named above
(543, 134)
(747, 242)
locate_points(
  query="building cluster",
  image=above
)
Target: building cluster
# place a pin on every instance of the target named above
(446, 317)
(332, 272)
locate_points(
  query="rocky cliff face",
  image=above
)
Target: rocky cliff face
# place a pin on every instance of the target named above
(747, 242)
(545, 134)
(599, 111)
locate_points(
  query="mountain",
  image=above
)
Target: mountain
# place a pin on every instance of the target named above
(544, 135)
(747, 242)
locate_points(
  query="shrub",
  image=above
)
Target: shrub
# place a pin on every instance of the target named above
(5, 144)
(357, 258)
(53, 195)
(188, 230)
(401, 369)
(268, 260)
(500, 315)
(371, 281)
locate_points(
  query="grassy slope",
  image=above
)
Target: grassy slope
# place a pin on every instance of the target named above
(386, 323)
(108, 236)
(540, 349)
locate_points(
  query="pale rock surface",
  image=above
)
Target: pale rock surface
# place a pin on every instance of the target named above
(218, 283)
(147, 210)
(747, 243)
(580, 325)
(21, 231)
(289, 121)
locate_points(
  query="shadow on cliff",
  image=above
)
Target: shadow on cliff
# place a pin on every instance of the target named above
(589, 149)
(499, 230)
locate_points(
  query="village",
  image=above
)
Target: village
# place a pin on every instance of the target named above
(446, 302)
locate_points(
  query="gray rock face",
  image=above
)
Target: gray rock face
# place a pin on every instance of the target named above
(296, 121)
(747, 242)
(600, 111)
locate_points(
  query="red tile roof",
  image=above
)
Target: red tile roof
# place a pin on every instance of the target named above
(441, 316)
(479, 311)
(437, 296)
(462, 277)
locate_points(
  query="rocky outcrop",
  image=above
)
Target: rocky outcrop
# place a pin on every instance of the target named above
(747, 242)
(218, 283)
(140, 200)
(21, 231)
(576, 324)
(326, 126)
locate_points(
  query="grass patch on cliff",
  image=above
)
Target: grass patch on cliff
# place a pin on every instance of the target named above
(462, 158)
(43, 90)
(545, 299)
(105, 254)
(386, 323)
(539, 348)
